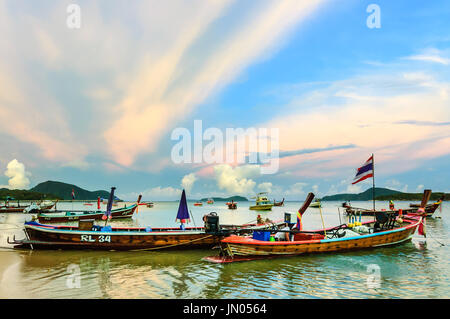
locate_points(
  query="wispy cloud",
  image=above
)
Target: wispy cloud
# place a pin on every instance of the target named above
(363, 111)
(431, 55)
(164, 92)
(423, 123)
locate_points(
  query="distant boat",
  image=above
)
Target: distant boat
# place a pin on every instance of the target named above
(58, 217)
(25, 209)
(68, 216)
(279, 203)
(198, 204)
(429, 209)
(210, 201)
(316, 204)
(262, 202)
(232, 205)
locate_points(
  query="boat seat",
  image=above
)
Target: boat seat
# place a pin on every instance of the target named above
(384, 221)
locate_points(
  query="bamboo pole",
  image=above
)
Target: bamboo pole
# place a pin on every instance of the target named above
(323, 224)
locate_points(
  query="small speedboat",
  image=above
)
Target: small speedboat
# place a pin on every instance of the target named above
(316, 204)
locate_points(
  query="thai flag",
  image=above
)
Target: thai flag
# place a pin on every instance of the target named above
(365, 171)
(73, 193)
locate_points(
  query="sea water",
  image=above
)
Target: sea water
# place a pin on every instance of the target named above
(416, 269)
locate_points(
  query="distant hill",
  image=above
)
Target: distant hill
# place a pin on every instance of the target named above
(227, 199)
(64, 191)
(22, 194)
(381, 194)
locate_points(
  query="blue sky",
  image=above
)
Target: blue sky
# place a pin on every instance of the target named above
(97, 105)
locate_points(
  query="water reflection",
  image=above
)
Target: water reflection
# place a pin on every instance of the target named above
(417, 269)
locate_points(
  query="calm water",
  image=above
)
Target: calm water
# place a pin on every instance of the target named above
(417, 269)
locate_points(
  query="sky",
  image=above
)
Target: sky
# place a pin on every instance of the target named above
(93, 95)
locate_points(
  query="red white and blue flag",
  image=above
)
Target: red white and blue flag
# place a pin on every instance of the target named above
(73, 193)
(364, 172)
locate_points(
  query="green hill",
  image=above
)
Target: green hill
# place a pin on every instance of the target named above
(381, 194)
(64, 191)
(22, 194)
(227, 199)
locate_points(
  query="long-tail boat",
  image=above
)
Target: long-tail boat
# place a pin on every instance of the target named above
(431, 207)
(232, 205)
(350, 210)
(70, 216)
(385, 230)
(22, 208)
(89, 236)
(278, 203)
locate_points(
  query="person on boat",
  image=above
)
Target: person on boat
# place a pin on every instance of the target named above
(259, 220)
(284, 235)
(391, 205)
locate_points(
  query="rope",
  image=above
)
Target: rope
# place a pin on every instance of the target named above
(174, 245)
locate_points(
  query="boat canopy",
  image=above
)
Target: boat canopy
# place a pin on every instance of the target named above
(183, 212)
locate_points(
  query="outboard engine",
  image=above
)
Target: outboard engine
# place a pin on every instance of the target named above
(211, 223)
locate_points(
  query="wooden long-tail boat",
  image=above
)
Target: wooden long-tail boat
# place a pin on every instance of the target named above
(70, 216)
(89, 236)
(23, 208)
(349, 210)
(278, 203)
(232, 205)
(11, 209)
(240, 248)
(387, 229)
(429, 209)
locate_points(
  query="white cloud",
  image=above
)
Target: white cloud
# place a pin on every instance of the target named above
(354, 189)
(397, 185)
(296, 189)
(236, 181)
(155, 194)
(18, 176)
(188, 182)
(265, 187)
(77, 163)
(431, 55)
(315, 189)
